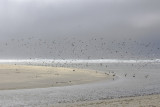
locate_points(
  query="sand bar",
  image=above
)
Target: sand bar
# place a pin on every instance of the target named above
(139, 101)
(22, 76)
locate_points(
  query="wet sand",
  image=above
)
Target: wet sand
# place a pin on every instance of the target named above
(139, 101)
(22, 77)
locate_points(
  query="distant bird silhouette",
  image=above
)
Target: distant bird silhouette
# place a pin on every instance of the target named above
(134, 75)
(125, 75)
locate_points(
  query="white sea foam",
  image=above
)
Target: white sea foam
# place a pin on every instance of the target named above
(49, 61)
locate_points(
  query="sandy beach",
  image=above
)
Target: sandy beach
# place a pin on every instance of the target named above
(22, 77)
(78, 85)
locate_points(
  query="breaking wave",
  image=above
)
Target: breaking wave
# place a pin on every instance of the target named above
(48, 61)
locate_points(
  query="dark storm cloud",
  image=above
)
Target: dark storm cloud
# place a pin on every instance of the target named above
(80, 19)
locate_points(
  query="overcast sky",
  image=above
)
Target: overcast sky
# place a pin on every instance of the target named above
(79, 29)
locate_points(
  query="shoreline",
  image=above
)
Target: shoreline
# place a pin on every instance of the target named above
(95, 93)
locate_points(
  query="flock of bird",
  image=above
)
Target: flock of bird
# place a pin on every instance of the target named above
(72, 48)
